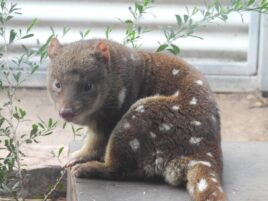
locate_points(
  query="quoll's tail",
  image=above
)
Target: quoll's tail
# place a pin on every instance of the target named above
(204, 183)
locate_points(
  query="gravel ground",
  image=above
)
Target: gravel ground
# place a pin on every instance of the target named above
(244, 117)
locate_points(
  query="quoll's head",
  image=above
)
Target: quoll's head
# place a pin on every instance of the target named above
(77, 75)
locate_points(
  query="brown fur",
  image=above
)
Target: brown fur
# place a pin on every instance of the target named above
(149, 115)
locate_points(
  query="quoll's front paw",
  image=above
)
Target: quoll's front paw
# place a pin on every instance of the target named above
(73, 162)
(77, 157)
(77, 170)
(83, 170)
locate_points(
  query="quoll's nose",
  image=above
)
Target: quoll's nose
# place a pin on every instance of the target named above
(66, 112)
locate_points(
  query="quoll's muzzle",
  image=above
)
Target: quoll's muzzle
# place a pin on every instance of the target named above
(66, 112)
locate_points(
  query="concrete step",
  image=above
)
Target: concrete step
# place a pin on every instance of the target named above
(245, 179)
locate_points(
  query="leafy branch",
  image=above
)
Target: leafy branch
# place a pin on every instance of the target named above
(187, 25)
(12, 75)
(134, 30)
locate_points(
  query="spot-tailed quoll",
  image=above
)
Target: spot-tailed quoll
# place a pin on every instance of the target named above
(149, 115)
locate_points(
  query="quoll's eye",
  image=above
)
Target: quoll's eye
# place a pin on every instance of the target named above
(88, 87)
(57, 86)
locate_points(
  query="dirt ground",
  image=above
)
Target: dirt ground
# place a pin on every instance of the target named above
(244, 117)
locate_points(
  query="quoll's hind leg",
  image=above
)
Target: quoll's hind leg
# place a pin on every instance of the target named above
(203, 182)
(118, 162)
(130, 144)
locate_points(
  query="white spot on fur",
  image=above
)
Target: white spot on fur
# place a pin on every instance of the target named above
(196, 123)
(175, 71)
(175, 107)
(134, 144)
(126, 125)
(202, 185)
(121, 96)
(165, 127)
(195, 140)
(220, 189)
(133, 117)
(173, 175)
(176, 93)
(212, 174)
(209, 154)
(193, 101)
(213, 118)
(152, 134)
(140, 109)
(159, 165)
(199, 82)
(158, 152)
(214, 180)
(194, 163)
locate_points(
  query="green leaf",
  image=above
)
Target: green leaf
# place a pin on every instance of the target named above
(139, 7)
(65, 31)
(22, 113)
(64, 124)
(27, 36)
(107, 32)
(33, 23)
(3, 4)
(41, 125)
(9, 18)
(12, 35)
(185, 17)
(179, 21)
(224, 17)
(34, 130)
(17, 76)
(60, 151)
(81, 34)
(128, 21)
(52, 30)
(28, 141)
(175, 48)
(161, 48)
(16, 116)
(50, 122)
(217, 6)
(237, 4)
(34, 69)
(2, 120)
(250, 2)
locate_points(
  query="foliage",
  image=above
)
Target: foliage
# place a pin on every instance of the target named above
(187, 25)
(134, 30)
(15, 71)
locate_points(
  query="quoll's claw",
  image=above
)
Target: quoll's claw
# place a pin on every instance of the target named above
(77, 170)
(73, 162)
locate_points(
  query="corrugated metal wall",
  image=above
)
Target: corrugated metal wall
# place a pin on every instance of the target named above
(227, 49)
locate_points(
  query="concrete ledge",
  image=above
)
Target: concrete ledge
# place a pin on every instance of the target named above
(245, 179)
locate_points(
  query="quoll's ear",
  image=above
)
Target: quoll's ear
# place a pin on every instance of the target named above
(103, 50)
(53, 48)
